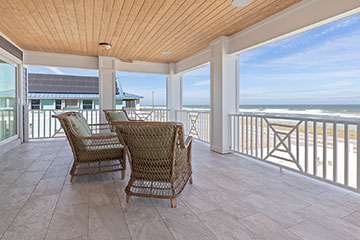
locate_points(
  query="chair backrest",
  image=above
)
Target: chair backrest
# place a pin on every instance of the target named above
(152, 147)
(74, 139)
(109, 120)
(109, 111)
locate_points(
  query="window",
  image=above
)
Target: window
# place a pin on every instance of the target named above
(8, 103)
(71, 103)
(35, 103)
(87, 104)
(130, 103)
(57, 104)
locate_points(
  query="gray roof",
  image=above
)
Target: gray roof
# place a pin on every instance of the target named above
(64, 86)
(51, 83)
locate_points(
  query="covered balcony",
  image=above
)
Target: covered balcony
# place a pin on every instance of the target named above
(255, 176)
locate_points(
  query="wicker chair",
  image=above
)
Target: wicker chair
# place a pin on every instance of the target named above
(160, 159)
(108, 118)
(97, 153)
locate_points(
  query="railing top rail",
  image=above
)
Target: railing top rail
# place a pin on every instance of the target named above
(147, 109)
(327, 120)
(194, 111)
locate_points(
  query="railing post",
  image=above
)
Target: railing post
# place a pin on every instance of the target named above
(26, 123)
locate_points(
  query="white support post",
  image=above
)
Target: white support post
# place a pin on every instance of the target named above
(173, 92)
(107, 86)
(223, 88)
(24, 107)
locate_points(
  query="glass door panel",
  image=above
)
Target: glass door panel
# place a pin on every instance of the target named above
(8, 101)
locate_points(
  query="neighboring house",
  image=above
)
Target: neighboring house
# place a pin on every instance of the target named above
(7, 100)
(49, 91)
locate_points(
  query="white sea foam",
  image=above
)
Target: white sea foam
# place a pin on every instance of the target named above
(308, 112)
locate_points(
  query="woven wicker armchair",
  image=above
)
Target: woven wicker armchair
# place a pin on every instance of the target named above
(109, 113)
(97, 153)
(160, 159)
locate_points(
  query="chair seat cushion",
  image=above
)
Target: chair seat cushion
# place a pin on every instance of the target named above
(117, 116)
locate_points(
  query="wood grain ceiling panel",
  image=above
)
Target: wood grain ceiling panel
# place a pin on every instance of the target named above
(137, 29)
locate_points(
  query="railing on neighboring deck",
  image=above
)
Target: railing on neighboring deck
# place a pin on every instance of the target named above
(148, 114)
(196, 123)
(321, 148)
(42, 125)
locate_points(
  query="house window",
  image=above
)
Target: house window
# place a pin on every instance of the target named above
(71, 103)
(57, 104)
(87, 104)
(130, 103)
(35, 103)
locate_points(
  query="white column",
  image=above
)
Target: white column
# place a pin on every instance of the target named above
(173, 92)
(24, 107)
(107, 89)
(223, 88)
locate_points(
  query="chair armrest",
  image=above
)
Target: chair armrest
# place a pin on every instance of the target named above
(188, 141)
(99, 124)
(96, 137)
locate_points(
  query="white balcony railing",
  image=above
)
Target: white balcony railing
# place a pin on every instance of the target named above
(196, 123)
(148, 114)
(321, 148)
(42, 125)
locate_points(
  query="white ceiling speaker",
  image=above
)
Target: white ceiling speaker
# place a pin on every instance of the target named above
(105, 46)
(167, 52)
(240, 3)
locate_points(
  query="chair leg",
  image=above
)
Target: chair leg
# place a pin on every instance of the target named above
(190, 180)
(72, 178)
(128, 198)
(173, 202)
(122, 174)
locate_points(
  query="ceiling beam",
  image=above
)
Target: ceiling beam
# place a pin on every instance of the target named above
(87, 62)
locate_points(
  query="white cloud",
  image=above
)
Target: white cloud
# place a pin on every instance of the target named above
(331, 52)
(304, 76)
(56, 70)
(337, 84)
(202, 83)
(198, 72)
(287, 96)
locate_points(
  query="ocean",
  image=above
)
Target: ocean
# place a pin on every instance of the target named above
(331, 111)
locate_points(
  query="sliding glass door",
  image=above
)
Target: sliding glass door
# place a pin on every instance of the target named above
(8, 101)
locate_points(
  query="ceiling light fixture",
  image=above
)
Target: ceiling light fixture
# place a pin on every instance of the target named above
(105, 46)
(167, 52)
(240, 3)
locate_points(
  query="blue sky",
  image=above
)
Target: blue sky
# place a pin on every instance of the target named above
(321, 66)
(196, 86)
(143, 85)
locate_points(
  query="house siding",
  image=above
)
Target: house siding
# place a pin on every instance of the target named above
(47, 104)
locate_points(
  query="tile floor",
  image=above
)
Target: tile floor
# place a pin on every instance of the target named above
(232, 198)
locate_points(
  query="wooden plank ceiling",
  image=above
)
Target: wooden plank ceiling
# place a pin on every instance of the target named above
(137, 29)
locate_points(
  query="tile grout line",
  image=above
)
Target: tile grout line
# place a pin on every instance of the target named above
(122, 210)
(162, 219)
(56, 205)
(199, 219)
(26, 199)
